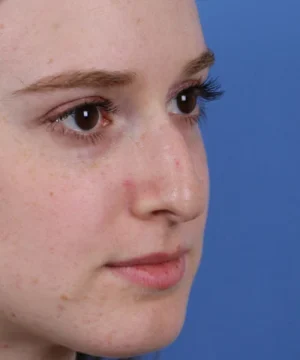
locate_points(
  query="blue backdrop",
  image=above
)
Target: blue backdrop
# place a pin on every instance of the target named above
(245, 303)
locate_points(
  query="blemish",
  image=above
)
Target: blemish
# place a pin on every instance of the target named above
(109, 338)
(2, 26)
(128, 184)
(64, 297)
(19, 282)
(50, 61)
(13, 315)
(177, 162)
(61, 307)
(4, 346)
(51, 194)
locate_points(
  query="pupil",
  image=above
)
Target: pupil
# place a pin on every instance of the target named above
(186, 102)
(87, 117)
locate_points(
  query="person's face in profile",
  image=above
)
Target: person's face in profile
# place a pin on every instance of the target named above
(101, 161)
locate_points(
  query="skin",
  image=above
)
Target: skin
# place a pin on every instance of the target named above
(67, 207)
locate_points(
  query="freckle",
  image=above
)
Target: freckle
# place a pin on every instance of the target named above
(138, 20)
(94, 165)
(51, 194)
(3, 118)
(26, 154)
(13, 315)
(35, 280)
(64, 297)
(2, 26)
(50, 61)
(56, 26)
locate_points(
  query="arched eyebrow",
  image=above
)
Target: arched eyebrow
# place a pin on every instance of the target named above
(105, 79)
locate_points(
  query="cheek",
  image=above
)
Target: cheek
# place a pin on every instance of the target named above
(52, 216)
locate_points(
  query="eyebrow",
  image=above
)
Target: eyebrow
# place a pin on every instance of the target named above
(105, 79)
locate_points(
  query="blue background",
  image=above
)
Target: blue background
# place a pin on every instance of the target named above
(245, 303)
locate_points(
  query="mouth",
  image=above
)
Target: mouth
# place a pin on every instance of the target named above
(150, 259)
(157, 270)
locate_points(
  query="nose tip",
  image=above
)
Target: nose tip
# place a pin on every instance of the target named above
(190, 202)
(179, 199)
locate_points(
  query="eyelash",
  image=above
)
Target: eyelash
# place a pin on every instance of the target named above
(207, 91)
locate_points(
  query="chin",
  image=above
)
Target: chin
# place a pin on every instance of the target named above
(147, 327)
(141, 341)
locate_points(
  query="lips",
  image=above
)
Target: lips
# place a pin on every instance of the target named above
(151, 259)
(159, 271)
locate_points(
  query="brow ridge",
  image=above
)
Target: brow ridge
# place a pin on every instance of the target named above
(102, 78)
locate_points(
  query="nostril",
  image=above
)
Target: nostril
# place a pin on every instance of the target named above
(158, 212)
(162, 213)
(170, 216)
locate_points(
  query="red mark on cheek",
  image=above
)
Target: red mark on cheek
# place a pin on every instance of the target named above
(177, 162)
(129, 185)
(4, 346)
(179, 248)
(109, 338)
(61, 307)
(19, 282)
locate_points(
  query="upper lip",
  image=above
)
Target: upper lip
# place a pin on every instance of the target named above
(150, 259)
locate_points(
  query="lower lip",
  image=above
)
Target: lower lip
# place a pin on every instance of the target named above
(158, 276)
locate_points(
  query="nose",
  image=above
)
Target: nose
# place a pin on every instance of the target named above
(171, 179)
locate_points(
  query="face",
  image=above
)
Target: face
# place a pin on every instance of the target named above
(101, 162)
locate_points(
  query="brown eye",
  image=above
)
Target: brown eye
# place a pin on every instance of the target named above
(187, 101)
(85, 118)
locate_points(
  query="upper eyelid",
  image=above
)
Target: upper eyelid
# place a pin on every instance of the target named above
(73, 104)
(184, 86)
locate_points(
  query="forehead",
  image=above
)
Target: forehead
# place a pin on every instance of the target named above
(146, 36)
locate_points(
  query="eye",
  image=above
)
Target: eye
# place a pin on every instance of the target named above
(185, 103)
(84, 118)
